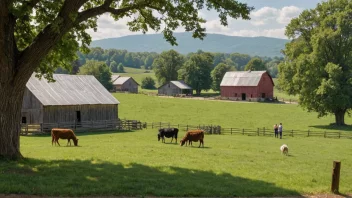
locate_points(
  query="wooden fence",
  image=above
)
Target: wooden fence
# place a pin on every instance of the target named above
(216, 129)
(102, 125)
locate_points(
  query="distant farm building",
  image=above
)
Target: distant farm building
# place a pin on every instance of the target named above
(174, 88)
(124, 84)
(72, 98)
(247, 85)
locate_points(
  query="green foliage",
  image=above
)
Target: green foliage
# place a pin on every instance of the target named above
(113, 67)
(255, 64)
(99, 70)
(148, 83)
(120, 68)
(196, 71)
(167, 65)
(318, 61)
(217, 74)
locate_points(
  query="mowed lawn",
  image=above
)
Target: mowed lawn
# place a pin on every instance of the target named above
(248, 115)
(136, 164)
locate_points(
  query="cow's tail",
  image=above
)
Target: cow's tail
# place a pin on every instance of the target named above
(176, 132)
(202, 135)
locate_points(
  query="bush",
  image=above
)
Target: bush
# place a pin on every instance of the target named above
(148, 83)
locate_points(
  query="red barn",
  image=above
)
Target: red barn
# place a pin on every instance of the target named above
(247, 85)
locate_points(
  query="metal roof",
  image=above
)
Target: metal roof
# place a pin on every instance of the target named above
(242, 78)
(70, 90)
(120, 80)
(114, 77)
(180, 84)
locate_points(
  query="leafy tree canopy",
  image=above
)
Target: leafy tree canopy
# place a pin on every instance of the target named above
(318, 61)
(167, 65)
(196, 71)
(148, 83)
(99, 70)
(217, 74)
(255, 64)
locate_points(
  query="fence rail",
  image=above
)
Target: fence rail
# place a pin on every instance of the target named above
(216, 129)
(102, 125)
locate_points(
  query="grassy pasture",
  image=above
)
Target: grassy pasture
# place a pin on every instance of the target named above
(249, 115)
(136, 164)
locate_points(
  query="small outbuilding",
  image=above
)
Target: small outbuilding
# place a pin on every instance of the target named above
(174, 88)
(247, 85)
(121, 83)
(71, 98)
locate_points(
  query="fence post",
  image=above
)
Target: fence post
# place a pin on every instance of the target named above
(26, 129)
(264, 131)
(231, 131)
(169, 124)
(242, 131)
(258, 131)
(324, 134)
(292, 133)
(335, 176)
(308, 132)
(152, 125)
(339, 134)
(187, 127)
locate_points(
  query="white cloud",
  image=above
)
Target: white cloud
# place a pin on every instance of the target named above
(267, 15)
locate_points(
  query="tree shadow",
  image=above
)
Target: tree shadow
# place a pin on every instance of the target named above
(333, 126)
(92, 177)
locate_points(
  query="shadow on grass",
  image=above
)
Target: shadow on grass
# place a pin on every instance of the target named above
(85, 177)
(333, 126)
(84, 133)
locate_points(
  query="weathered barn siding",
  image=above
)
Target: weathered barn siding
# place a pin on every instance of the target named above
(248, 86)
(32, 109)
(70, 98)
(266, 86)
(169, 89)
(54, 114)
(125, 84)
(173, 88)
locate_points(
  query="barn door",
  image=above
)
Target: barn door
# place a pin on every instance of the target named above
(243, 96)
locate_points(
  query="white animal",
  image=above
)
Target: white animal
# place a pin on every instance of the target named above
(284, 149)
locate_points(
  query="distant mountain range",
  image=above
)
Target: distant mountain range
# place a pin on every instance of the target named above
(261, 46)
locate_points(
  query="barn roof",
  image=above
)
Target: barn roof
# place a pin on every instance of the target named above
(242, 78)
(121, 80)
(70, 90)
(181, 84)
(114, 77)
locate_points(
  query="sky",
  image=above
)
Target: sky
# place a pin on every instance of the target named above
(269, 18)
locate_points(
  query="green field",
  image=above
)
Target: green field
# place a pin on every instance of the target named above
(134, 163)
(249, 115)
(139, 75)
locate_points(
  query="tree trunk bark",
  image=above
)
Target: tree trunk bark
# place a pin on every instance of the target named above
(340, 117)
(10, 117)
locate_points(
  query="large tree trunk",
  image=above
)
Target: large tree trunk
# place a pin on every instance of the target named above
(340, 117)
(10, 117)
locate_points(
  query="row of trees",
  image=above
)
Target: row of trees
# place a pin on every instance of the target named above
(117, 59)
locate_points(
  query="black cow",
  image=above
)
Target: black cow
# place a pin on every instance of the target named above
(168, 132)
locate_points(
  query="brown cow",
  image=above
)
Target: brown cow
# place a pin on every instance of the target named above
(193, 136)
(57, 133)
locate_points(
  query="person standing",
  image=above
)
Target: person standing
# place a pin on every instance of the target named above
(280, 130)
(276, 131)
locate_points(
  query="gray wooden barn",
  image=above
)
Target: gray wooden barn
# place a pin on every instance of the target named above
(121, 83)
(173, 88)
(72, 98)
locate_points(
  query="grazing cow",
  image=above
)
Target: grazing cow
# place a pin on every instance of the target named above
(193, 136)
(284, 149)
(168, 132)
(57, 133)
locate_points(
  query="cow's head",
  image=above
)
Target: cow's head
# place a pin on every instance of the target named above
(158, 137)
(75, 142)
(182, 142)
